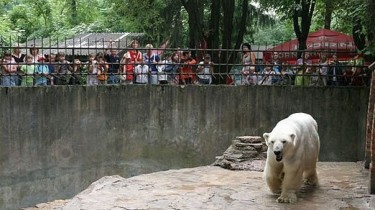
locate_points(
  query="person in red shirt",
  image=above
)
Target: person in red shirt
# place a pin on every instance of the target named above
(130, 59)
(187, 75)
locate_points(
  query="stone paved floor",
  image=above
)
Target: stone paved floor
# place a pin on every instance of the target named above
(343, 186)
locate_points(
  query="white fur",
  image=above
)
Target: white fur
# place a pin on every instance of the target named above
(297, 140)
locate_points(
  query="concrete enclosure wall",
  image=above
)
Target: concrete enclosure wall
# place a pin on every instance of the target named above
(55, 141)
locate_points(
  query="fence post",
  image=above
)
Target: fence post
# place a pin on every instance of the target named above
(370, 133)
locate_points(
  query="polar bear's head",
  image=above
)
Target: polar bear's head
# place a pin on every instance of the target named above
(280, 143)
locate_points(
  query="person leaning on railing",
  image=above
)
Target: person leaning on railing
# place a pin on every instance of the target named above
(248, 59)
(335, 72)
(268, 75)
(205, 71)
(164, 73)
(9, 70)
(92, 70)
(102, 69)
(113, 61)
(129, 61)
(323, 70)
(361, 74)
(78, 74)
(304, 65)
(27, 72)
(19, 58)
(63, 70)
(187, 75)
(151, 59)
(41, 72)
(172, 68)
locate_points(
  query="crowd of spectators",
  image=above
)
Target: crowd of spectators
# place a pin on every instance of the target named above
(324, 71)
(178, 68)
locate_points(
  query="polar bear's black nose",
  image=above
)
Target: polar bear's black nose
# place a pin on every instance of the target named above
(277, 152)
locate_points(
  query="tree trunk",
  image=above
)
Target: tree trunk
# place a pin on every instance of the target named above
(328, 14)
(228, 13)
(73, 7)
(302, 28)
(243, 24)
(213, 41)
(172, 16)
(194, 9)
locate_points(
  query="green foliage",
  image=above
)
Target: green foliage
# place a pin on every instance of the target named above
(275, 34)
(284, 8)
(139, 15)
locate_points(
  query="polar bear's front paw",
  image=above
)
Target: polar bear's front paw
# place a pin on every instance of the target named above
(287, 198)
(310, 182)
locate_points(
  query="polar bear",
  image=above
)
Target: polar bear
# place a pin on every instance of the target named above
(293, 150)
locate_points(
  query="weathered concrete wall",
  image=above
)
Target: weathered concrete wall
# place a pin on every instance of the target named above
(55, 141)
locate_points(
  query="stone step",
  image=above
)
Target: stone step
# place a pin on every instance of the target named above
(241, 156)
(247, 146)
(250, 139)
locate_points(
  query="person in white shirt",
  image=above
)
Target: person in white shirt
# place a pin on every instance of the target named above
(162, 73)
(141, 71)
(92, 66)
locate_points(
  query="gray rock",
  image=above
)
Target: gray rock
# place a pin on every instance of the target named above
(250, 139)
(214, 188)
(243, 149)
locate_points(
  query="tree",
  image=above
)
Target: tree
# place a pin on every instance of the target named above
(276, 33)
(361, 16)
(302, 15)
(300, 11)
(73, 8)
(224, 30)
(329, 6)
(195, 10)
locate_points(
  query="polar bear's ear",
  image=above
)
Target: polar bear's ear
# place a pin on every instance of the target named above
(266, 136)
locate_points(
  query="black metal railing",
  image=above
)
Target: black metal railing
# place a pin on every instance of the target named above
(33, 65)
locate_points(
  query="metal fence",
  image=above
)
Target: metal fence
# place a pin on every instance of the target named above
(115, 60)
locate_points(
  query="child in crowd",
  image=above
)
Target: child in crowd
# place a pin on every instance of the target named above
(163, 72)
(9, 67)
(141, 71)
(173, 68)
(205, 70)
(92, 70)
(267, 75)
(42, 72)
(28, 70)
(63, 69)
(187, 74)
(129, 60)
(77, 78)
(102, 69)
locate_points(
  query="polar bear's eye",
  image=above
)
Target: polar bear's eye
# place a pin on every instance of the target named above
(283, 141)
(272, 142)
